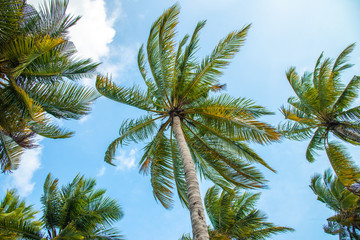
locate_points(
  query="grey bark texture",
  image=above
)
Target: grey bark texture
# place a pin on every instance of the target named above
(197, 213)
(341, 130)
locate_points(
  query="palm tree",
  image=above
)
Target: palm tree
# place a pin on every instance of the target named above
(346, 205)
(188, 128)
(76, 211)
(323, 105)
(38, 73)
(233, 216)
(17, 219)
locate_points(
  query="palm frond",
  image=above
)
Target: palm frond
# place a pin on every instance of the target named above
(160, 49)
(347, 97)
(228, 143)
(51, 202)
(25, 51)
(53, 18)
(185, 62)
(316, 143)
(210, 68)
(17, 220)
(342, 163)
(237, 116)
(339, 64)
(63, 99)
(295, 131)
(151, 147)
(24, 229)
(10, 153)
(233, 216)
(353, 114)
(131, 130)
(162, 174)
(231, 168)
(130, 96)
(304, 89)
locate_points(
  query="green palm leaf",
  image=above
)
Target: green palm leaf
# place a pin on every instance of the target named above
(10, 153)
(344, 167)
(36, 62)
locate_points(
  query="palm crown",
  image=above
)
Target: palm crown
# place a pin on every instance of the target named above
(186, 126)
(233, 216)
(322, 105)
(215, 128)
(76, 211)
(15, 214)
(38, 68)
(330, 190)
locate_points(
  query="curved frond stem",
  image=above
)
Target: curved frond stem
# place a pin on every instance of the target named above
(133, 130)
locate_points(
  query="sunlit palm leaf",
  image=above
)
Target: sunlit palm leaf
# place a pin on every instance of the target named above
(343, 165)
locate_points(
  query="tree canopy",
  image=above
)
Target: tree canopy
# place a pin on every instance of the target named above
(39, 70)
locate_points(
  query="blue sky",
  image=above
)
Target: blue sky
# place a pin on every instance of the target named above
(284, 33)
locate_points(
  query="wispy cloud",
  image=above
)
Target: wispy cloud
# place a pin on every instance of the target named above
(21, 179)
(125, 161)
(101, 171)
(120, 60)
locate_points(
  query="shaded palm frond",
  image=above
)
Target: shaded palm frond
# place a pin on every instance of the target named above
(130, 96)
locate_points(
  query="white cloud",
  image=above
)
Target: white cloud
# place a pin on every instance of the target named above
(21, 179)
(84, 119)
(93, 33)
(101, 171)
(125, 161)
(120, 60)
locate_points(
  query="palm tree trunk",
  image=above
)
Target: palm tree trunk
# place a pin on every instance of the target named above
(341, 130)
(196, 208)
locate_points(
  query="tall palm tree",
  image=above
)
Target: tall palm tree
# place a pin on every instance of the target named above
(323, 105)
(233, 216)
(76, 211)
(38, 73)
(188, 128)
(346, 221)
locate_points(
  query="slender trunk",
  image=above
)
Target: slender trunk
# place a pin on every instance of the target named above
(197, 213)
(341, 130)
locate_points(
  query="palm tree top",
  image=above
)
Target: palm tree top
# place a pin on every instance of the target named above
(77, 210)
(322, 104)
(330, 190)
(39, 70)
(233, 215)
(178, 85)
